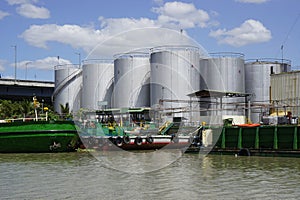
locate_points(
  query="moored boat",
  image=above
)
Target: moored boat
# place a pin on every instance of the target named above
(274, 140)
(38, 137)
(252, 140)
(132, 130)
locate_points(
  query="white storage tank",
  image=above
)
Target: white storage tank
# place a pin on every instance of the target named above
(223, 72)
(258, 83)
(97, 82)
(175, 73)
(68, 80)
(131, 80)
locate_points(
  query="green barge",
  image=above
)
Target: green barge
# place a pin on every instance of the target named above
(38, 137)
(265, 140)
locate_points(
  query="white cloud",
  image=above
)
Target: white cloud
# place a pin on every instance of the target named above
(117, 25)
(182, 15)
(252, 1)
(3, 14)
(18, 2)
(118, 35)
(74, 35)
(47, 63)
(251, 31)
(115, 36)
(32, 11)
(26, 8)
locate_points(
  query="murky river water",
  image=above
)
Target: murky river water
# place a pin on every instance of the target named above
(190, 176)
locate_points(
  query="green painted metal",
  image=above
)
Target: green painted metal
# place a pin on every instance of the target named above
(42, 136)
(166, 129)
(248, 137)
(239, 145)
(295, 141)
(281, 137)
(266, 137)
(275, 146)
(298, 137)
(257, 137)
(223, 138)
(285, 137)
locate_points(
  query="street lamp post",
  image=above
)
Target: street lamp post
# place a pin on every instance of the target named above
(42, 106)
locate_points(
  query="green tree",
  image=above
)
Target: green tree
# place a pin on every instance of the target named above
(16, 109)
(5, 109)
(65, 111)
(26, 108)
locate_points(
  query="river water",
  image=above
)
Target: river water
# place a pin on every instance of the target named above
(189, 176)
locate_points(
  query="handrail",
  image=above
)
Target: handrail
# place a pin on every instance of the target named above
(131, 55)
(24, 119)
(97, 61)
(269, 60)
(174, 48)
(226, 54)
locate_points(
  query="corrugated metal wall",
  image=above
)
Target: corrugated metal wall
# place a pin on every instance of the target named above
(285, 92)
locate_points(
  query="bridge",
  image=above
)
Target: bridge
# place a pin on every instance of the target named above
(16, 90)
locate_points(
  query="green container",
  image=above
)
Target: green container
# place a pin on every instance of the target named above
(285, 137)
(231, 137)
(298, 137)
(266, 137)
(248, 137)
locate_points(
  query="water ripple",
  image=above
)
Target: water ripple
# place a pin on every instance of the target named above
(81, 176)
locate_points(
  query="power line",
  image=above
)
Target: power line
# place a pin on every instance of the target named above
(288, 34)
(291, 29)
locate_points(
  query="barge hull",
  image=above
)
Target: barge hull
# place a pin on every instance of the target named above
(38, 137)
(271, 140)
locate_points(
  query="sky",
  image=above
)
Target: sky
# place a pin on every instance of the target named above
(37, 35)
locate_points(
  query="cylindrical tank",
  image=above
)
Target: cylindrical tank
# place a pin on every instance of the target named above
(131, 80)
(97, 82)
(223, 72)
(68, 80)
(258, 83)
(175, 73)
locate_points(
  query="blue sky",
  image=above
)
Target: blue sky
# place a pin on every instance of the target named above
(42, 30)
